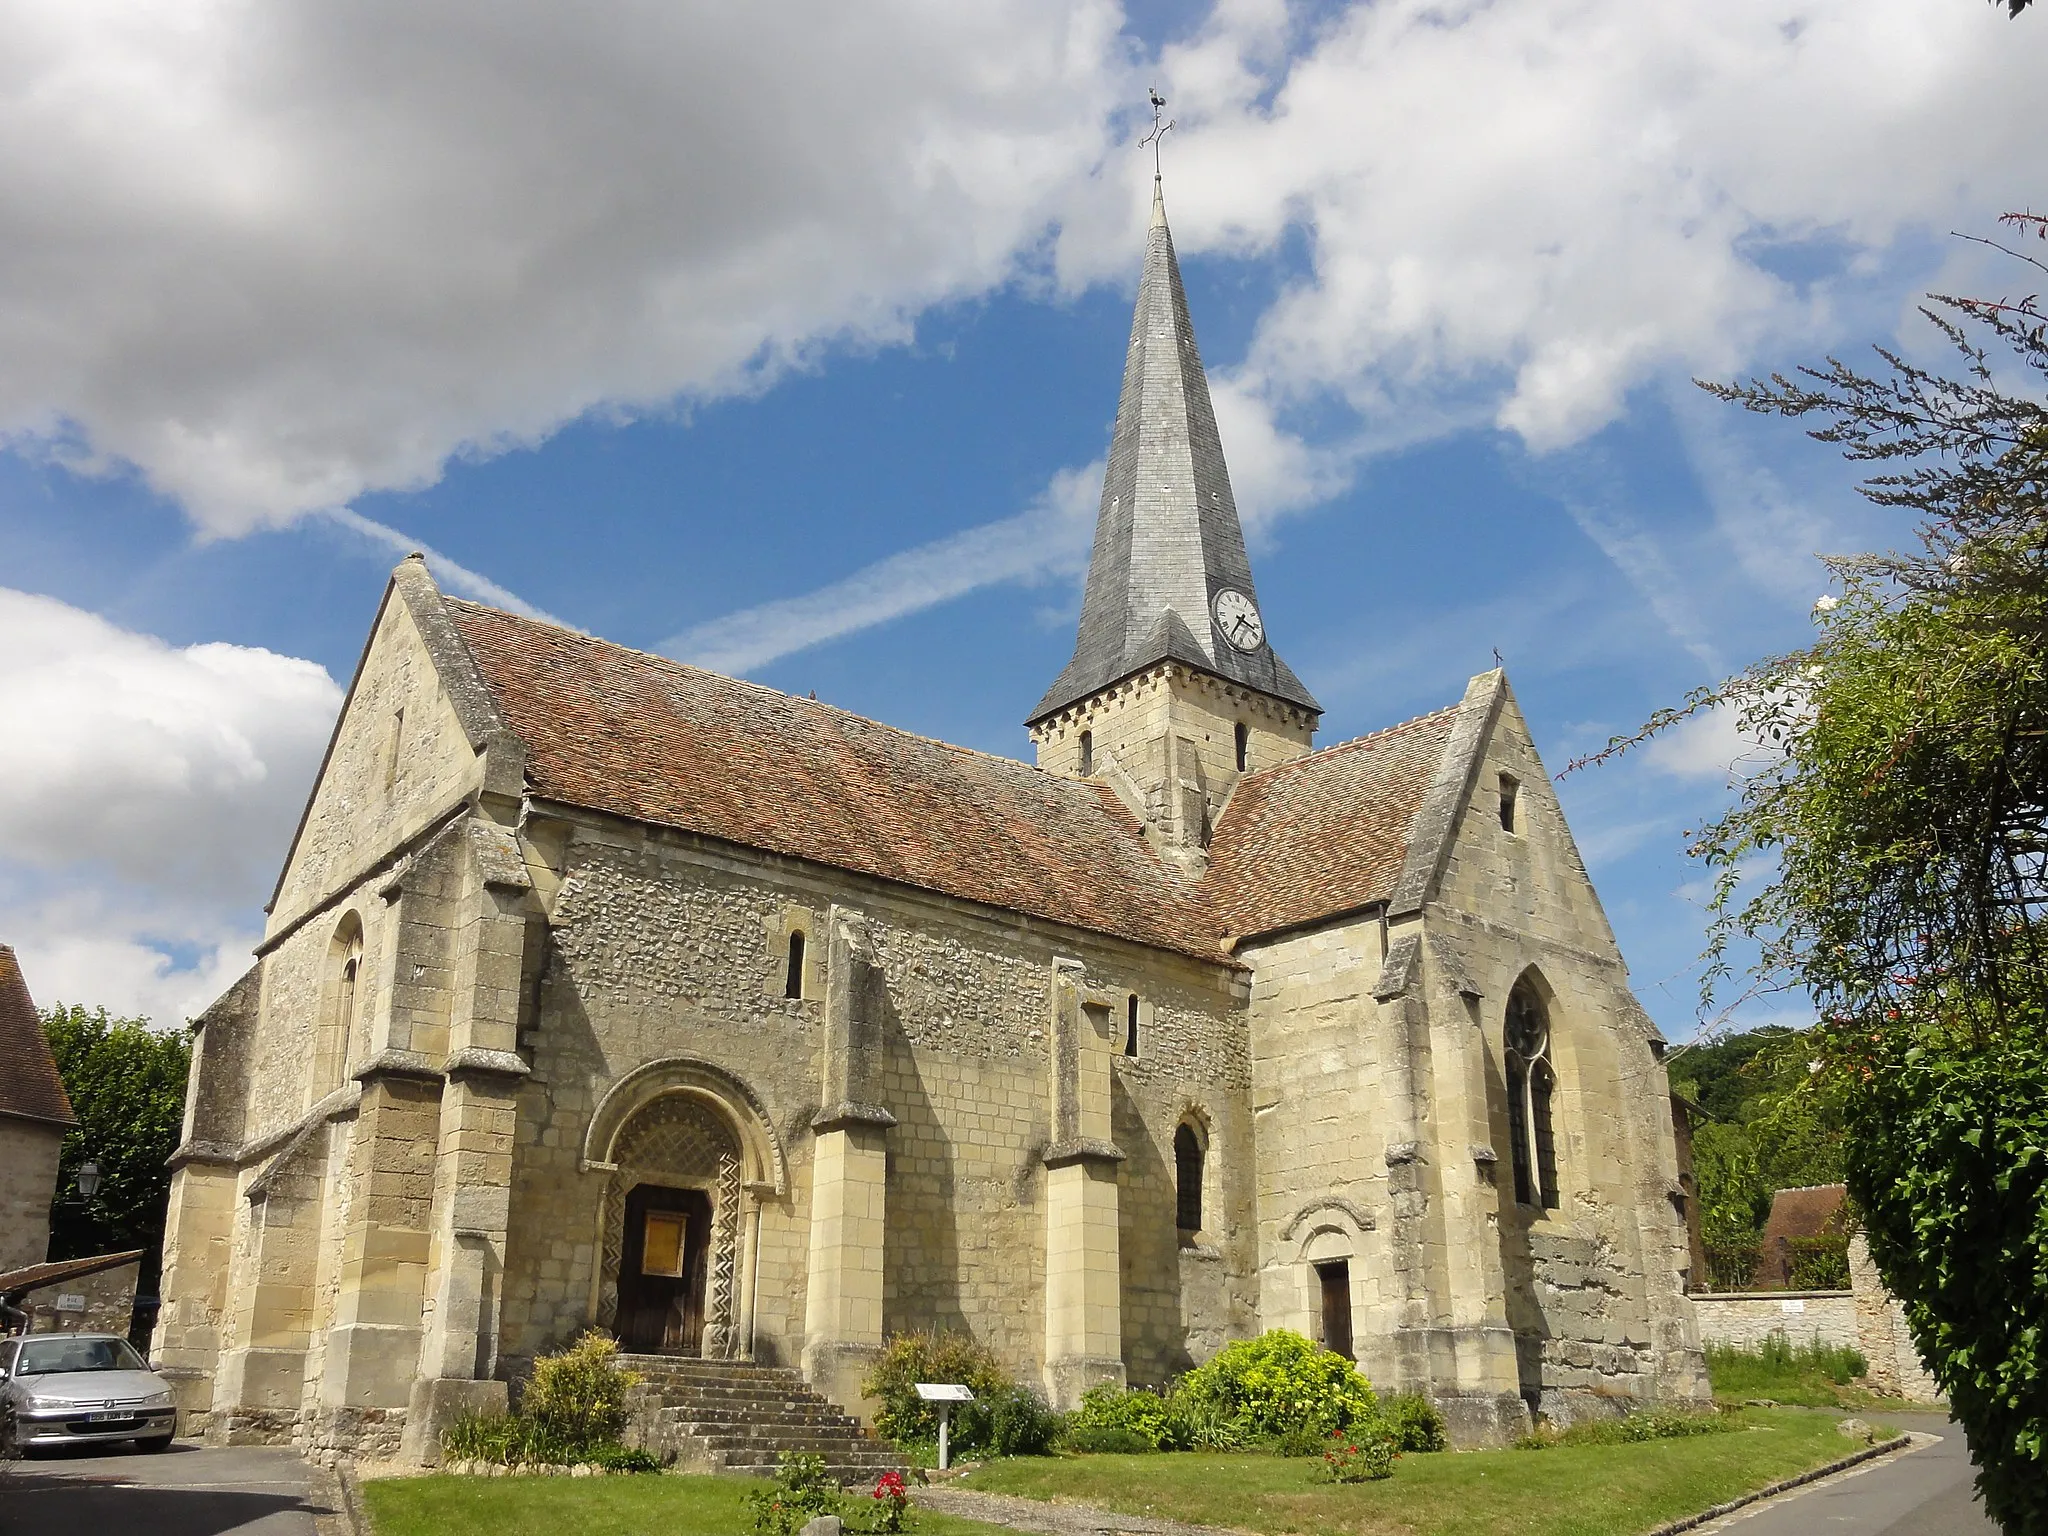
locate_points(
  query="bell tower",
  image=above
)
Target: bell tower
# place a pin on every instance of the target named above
(1174, 689)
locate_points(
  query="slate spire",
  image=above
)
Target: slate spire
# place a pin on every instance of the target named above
(1167, 540)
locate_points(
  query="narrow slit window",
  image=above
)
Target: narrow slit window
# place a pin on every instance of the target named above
(1509, 790)
(397, 746)
(1244, 746)
(1187, 1172)
(1131, 1026)
(793, 978)
(1087, 753)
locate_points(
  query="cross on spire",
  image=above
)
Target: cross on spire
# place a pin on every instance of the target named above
(1159, 129)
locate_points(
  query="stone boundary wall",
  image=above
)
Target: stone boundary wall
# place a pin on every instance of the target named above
(1868, 1318)
(1746, 1318)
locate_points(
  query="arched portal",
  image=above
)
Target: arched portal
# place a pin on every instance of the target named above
(669, 1283)
(689, 1154)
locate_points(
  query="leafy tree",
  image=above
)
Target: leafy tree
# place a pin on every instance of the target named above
(1902, 824)
(127, 1087)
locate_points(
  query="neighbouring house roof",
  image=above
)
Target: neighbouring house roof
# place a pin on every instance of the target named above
(29, 1084)
(656, 741)
(36, 1277)
(1815, 1210)
(1326, 833)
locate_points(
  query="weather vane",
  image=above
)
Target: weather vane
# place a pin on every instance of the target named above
(1159, 129)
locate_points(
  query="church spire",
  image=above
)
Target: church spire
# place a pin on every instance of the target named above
(1169, 579)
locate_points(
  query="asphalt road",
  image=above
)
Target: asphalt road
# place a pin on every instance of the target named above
(185, 1491)
(1917, 1493)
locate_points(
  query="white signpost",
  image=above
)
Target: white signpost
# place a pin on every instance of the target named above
(945, 1394)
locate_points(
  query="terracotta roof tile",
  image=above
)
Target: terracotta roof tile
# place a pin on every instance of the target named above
(1814, 1210)
(653, 740)
(656, 741)
(1325, 833)
(29, 1084)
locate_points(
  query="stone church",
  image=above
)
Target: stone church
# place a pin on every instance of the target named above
(599, 990)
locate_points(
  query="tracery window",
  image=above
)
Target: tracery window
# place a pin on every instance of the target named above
(1531, 1082)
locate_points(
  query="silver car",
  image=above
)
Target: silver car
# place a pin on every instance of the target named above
(78, 1389)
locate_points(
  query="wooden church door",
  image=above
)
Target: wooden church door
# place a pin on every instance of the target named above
(662, 1270)
(1336, 1282)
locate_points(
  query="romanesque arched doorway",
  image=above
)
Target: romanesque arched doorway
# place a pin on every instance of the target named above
(672, 1230)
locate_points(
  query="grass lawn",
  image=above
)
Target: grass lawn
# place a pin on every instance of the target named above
(598, 1506)
(1592, 1490)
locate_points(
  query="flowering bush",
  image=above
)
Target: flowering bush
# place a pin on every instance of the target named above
(892, 1505)
(1281, 1381)
(801, 1491)
(1362, 1456)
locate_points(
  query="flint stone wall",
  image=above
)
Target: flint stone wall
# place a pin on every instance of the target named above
(665, 945)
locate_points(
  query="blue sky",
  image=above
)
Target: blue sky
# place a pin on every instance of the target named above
(812, 382)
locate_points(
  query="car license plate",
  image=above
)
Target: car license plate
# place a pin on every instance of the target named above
(108, 1418)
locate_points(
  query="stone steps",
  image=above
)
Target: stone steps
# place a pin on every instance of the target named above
(728, 1415)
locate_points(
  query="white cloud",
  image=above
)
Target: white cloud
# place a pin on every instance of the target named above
(146, 794)
(1709, 745)
(1548, 203)
(182, 768)
(134, 953)
(277, 254)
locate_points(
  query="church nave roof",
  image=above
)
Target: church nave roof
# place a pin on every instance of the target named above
(653, 740)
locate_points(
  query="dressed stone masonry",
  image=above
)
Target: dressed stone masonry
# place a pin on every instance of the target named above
(602, 991)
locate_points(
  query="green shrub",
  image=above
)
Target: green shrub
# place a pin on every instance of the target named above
(577, 1399)
(909, 1358)
(1817, 1263)
(1415, 1423)
(1203, 1425)
(493, 1437)
(1007, 1421)
(1634, 1428)
(1307, 1439)
(800, 1493)
(1137, 1412)
(619, 1458)
(1278, 1381)
(1108, 1441)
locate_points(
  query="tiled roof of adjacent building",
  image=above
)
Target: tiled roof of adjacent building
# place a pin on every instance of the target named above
(29, 1084)
(1326, 833)
(653, 740)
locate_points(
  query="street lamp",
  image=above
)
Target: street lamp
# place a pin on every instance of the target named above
(88, 1180)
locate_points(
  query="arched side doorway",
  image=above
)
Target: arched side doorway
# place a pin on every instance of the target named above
(671, 1231)
(688, 1155)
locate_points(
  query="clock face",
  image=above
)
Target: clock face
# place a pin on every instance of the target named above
(1238, 617)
